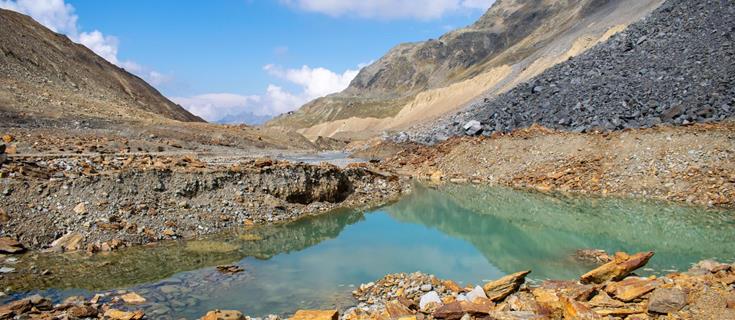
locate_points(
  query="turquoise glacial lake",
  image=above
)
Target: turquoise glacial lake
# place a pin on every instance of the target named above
(470, 234)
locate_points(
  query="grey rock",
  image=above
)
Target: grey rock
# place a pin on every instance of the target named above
(473, 127)
(666, 301)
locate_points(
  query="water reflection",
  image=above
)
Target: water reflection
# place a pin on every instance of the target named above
(516, 230)
(464, 233)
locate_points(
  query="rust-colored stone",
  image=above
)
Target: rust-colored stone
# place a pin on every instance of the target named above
(499, 289)
(316, 315)
(621, 266)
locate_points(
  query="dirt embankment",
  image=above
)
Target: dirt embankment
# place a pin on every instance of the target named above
(692, 164)
(102, 202)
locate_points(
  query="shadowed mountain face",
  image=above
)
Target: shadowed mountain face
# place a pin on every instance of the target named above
(383, 88)
(43, 73)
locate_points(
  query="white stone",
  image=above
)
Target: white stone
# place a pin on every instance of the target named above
(430, 297)
(476, 293)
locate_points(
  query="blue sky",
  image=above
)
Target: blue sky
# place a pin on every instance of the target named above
(226, 57)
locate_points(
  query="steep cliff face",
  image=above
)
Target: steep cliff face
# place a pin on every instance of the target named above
(509, 32)
(45, 74)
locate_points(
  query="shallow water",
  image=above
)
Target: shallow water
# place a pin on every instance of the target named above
(466, 233)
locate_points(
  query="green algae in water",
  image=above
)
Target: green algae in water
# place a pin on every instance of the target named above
(467, 233)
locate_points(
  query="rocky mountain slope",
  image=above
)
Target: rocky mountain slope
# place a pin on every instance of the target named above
(513, 41)
(677, 66)
(57, 97)
(43, 73)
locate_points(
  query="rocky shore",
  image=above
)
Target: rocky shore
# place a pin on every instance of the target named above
(692, 164)
(610, 291)
(99, 203)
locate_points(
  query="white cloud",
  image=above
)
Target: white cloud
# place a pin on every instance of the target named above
(215, 106)
(389, 9)
(316, 82)
(311, 82)
(104, 46)
(60, 17)
(54, 14)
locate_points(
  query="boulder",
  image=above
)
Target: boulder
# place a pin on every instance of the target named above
(81, 312)
(11, 246)
(472, 128)
(223, 315)
(621, 266)
(429, 299)
(70, 242)
(708, 266)
(631, 288)
(576, 310)
(315, 315)
(114, 314)
(667, 300)
(476, 293)
(397, 309)
(456, 310)
(499, 289)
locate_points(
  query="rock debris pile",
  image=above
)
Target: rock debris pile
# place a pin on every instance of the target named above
(676, 66)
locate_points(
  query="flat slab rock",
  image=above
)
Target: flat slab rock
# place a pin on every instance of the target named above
(316, 315)
(11, 246)
(621, 266)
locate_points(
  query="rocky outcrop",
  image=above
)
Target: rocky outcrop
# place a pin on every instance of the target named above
(676, 66)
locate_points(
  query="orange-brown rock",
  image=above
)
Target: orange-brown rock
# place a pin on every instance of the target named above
(452, 286)
(223, 315)
(81, 312)
(631, 288)
(576, 310)
(499, 289)
(621, 312)
(397, 309)
(11, 246)
(457, 309)
(114, 314)
(132, 298)
(315, 315)
(621, 266)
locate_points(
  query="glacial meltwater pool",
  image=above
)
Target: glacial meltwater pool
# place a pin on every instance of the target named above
(466, 233)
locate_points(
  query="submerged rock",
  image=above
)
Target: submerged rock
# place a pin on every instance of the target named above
(132, 298)
(223, 315)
